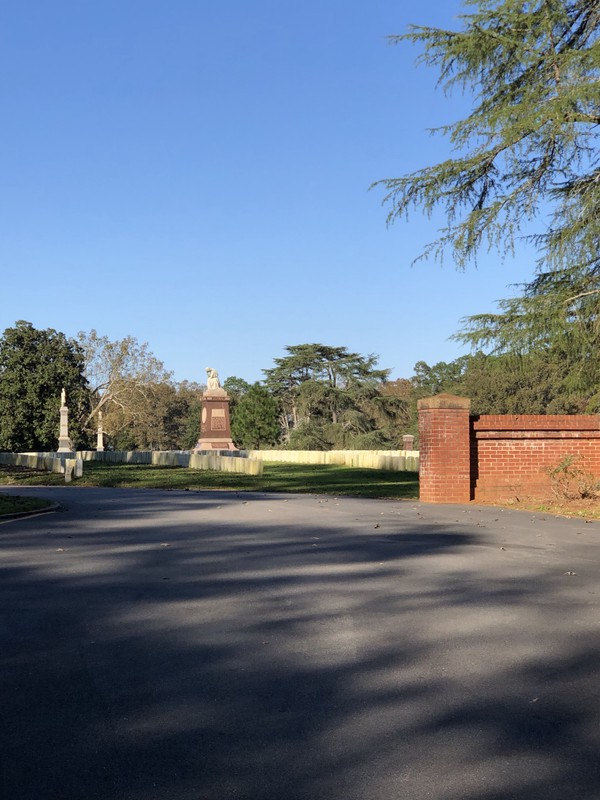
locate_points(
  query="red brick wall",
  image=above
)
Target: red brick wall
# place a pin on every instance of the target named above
(510, 454)
(444, 450)
(497, 457)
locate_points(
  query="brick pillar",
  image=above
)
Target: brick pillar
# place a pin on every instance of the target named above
(408, 442)
(444, 449)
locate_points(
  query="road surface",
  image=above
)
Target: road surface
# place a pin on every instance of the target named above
(207, 646)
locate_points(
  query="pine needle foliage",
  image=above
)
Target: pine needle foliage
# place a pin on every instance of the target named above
(526, 155)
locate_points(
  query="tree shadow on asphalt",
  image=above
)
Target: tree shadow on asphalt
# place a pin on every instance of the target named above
(209, 659)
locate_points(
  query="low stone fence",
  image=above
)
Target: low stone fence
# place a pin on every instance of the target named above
(54, 462)
(393, 460)
(248, 463)
(61, 463)
(117, 456)
(245, 466)
(49, 462)
(177, 458)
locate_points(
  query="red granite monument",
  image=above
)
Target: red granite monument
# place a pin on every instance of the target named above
(215, 428)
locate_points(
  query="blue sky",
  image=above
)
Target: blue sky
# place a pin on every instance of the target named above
(197, 175)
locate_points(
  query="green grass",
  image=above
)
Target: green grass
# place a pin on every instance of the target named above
(13, 504)
(313, 479)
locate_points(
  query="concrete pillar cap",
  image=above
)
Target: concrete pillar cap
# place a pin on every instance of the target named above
(444, 400)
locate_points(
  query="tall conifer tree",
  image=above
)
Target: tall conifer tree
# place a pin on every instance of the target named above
(527, 154)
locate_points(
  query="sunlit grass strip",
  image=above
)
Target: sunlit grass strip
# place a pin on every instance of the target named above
(304, 479)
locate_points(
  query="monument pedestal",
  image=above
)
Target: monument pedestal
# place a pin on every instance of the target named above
(100, 435)
(65, 444)
(215, 428)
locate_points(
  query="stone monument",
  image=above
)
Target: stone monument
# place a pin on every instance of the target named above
(215, 428)
(65, 445)
(100, 435)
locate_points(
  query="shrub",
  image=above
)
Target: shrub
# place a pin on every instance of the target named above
(570, 482)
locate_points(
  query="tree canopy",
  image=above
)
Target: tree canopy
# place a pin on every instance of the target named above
(328, 396)
(527, 154)
(505, 384)
(123, 376)
(254, 420)
(35, 365)
(167, 417)
(316, 396)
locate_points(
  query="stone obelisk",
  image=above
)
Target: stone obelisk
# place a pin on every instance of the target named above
(65, 445)
(100, 435)
(215, 428)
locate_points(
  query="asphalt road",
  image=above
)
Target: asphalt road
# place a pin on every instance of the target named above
(207, 646)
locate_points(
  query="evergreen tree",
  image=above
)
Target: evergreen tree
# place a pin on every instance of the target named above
(254, 421)
(236, 388)
(505, 384)
(528, 151)
(322, 384)
(512, 384)
(441, 377)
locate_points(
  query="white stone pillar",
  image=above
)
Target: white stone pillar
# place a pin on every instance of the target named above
(65, 445)
(100, 436)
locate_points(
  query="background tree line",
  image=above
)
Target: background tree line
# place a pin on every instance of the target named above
(315, 397)
(141, 406)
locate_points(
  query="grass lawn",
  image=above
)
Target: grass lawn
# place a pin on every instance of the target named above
(312, 479)
(12, 504)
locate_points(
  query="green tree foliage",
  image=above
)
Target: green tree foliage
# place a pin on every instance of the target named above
(255, 419)
(328, 396)
(505, 384)
(511, 384)
(528, 151)
(189, 426)
(402, 396)
(236, 388)
(441, 377)
(310, 436)
(35, 365)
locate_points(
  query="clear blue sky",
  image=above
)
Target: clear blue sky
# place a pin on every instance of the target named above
(196, 174)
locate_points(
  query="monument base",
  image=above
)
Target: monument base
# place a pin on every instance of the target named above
(65, 445)
(214, 444)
